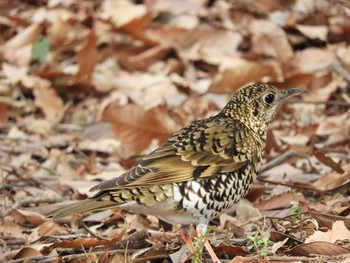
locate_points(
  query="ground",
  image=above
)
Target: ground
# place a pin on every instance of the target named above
(88, 87)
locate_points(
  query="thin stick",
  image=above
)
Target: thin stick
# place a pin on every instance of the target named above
(278, 160)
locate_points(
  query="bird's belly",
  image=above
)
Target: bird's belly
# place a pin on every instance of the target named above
(207, 199)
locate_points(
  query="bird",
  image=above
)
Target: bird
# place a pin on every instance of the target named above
(200, 171)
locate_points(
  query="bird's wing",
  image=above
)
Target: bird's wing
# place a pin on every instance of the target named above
(201, 150)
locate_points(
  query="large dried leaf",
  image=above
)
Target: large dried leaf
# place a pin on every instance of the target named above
(312, 60)
(27, 252)
(87, 57)
(192, 43)
(269, 39)
(326, 220)
(239, 72)
(318, 248)
(122, 12)
(18, 50)
(136, 128)
(279, 201)
(339, 232)
(46, 98)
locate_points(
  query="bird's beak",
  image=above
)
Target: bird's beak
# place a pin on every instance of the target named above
(287, 94)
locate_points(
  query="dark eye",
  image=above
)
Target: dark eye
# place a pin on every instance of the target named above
(269, 98)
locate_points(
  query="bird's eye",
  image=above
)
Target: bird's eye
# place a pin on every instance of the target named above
(269, 98)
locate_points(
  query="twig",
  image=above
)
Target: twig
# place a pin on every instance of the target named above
(278, 160)
(337, 67)
(41, 259)
(87, 229)
(289, 258)
(48, 259)
(34, 201)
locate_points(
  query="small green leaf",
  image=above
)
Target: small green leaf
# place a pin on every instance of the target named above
(40, 48)
(250, 247)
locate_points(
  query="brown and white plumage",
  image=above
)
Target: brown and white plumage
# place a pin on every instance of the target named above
(201, 170)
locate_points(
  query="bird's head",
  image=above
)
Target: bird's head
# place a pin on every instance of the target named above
(258, 104)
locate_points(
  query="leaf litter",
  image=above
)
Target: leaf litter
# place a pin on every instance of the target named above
(87, 88)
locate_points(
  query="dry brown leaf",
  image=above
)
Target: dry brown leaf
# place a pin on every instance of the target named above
(50, 228)
(318, 248)
(277, 245)
(136, 128)
(192, 44)
(338, 232)
(246, 212)
(22, 217)
(326, 220)
(27, 252)
(331, 180)
(14, 74)
(279, 201)
(313, 32)
(18, 50)
(229, 250)
(122, 12)
(46, 97)
(237, 73)
(84, 242)
(145, 89)
(4, 113)
(311, 60)
(335, 124)
(322, 157)
(87, 57)
(269, 39)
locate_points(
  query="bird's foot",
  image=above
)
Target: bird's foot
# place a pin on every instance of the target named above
(201, 233)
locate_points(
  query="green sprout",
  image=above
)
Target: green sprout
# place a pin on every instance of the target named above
(260, 243)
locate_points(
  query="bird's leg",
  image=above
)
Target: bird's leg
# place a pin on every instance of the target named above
(185, 233)
(202, 228)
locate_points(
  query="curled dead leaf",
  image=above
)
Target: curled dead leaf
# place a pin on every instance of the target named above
(136, 128)
(27, 252)
(338, 232)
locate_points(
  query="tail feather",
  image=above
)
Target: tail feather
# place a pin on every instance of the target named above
(81, 207)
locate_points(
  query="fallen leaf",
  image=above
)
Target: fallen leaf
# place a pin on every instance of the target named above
(279, 201)
(313, 32)
(238, 72)
(136, 128)
(277, 245)
(269, 39)
(338, 232)
(122, 12)
(18, 50)
(318, 248)
(87, 57)
(311, 60)
(23, 216)
(46, 97)
(330, 181)
(27, 252)
(194, 44)
(231, 251)
(246, 212)
(326, 220)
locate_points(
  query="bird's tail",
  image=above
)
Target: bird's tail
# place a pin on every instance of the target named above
(81, 207)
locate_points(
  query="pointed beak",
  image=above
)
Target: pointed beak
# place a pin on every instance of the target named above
(289, 93)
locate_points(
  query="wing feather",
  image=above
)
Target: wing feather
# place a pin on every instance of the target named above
(202, 150)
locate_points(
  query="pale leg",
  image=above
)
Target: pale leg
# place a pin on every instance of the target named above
(201, 228)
